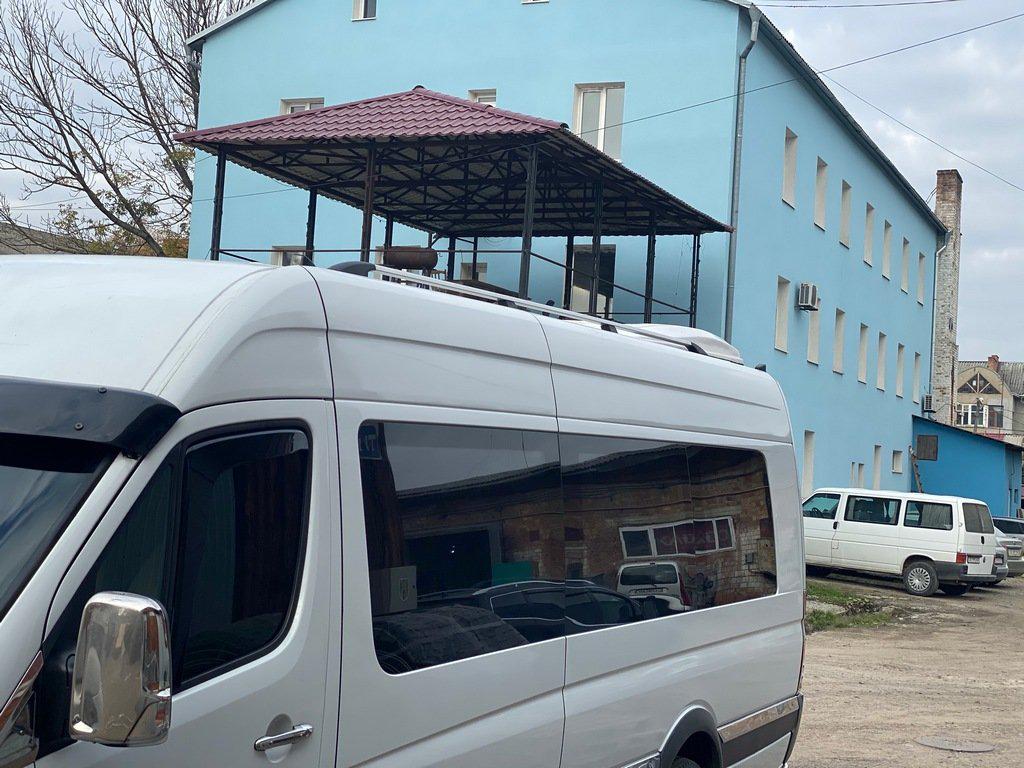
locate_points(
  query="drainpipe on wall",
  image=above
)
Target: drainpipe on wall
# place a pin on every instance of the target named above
(737, 154)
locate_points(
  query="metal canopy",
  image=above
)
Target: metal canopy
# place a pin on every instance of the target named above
(453, 167)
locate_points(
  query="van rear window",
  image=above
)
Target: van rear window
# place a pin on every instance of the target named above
(977, 519)
(637, 575)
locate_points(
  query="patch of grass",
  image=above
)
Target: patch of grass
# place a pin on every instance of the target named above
(818, 621)
(827, 593)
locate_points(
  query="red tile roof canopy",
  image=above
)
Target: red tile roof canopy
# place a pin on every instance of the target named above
(453, 167)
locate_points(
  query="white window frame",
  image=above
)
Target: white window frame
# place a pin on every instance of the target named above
(883, 351)
(653, 544)
(887, 250)
(820, 194)
(876, 468)
(814, 338)
(869, 234)
(901, 363)
(905, 267)
(278, 252)
(602, 115)
(862, 355)
(838, 341)
(922, 268)
(484, 96)
(807, 468)
(917, 378)
(897, 462)
(359, 11)
(845, 212)
(789, 159)
(782, 314)
(466, 270)
(314, 102)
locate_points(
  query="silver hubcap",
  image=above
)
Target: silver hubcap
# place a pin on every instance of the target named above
(919, 579)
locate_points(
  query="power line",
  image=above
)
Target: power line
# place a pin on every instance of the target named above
(928, 138)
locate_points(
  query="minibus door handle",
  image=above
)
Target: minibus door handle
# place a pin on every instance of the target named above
(298, 733)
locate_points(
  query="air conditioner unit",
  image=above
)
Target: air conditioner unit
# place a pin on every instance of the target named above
(927, 404)
(807, 297)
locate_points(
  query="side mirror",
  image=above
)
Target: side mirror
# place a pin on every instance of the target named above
(121, 684)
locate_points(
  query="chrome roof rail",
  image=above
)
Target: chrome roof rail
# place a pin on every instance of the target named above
(693, 345)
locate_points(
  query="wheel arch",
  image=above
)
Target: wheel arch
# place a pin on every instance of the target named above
(913, 558)
(695, 730)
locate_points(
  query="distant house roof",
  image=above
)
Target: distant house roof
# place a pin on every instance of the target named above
(453, 166)
(805, 71)
(1011, 373)
(19, 240)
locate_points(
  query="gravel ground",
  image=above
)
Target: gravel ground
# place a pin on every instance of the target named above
(953, 668)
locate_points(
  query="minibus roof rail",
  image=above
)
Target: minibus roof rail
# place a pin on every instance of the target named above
(691, 339)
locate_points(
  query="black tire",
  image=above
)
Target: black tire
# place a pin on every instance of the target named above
(684, 762)
(920, 579)
(955, 590)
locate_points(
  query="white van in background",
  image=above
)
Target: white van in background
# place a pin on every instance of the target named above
(931, 542)
(308, 517)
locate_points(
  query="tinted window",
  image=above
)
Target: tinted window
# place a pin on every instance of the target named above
(822, 506)
(243, 501)
(977, 519)
(698, 518)
(1008, 526)
(465, 540)
(869, 509)
(922, 514)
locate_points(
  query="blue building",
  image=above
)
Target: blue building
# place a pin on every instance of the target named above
(813, 199)
(971, 464)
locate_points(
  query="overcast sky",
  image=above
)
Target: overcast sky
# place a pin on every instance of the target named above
(966, 93)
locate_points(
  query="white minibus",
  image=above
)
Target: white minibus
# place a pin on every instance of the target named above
(931, 542)
(356, 517)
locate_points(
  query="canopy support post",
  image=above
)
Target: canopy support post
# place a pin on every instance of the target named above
(652, 239)
(530, 203)
(389, 232)
(449, 269)
(694, 280)
(596, 246)
(218, 203)
(307, 257)
(371, 168)
(570, 252)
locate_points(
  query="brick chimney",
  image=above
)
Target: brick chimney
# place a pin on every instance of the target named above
(993, 363)
(948, 200)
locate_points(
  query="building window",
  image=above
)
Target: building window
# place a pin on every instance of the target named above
(860, 475)
(598, 115)
(883, 344)
(807, 474)
(582, 275)
(979, 415)
(887, 250)
(853, 474)
(862, 355)
(869, 234)
(876, 474)
(782, 315)
(905, 267)
(977, 385)
(488, 96)
(789, 169)
(838, 341)
(287, 255)
(921, 269)
(845, 210)
(901, 354)
(917, 378)
(814, 337)
(291, 106)
(897, 462)
(364, 10)
(820, 192)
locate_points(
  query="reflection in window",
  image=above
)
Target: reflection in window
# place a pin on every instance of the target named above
(822, 506)
(465, 540)
(671, 527)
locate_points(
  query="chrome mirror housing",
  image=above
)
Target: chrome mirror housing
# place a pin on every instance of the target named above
(121, 683)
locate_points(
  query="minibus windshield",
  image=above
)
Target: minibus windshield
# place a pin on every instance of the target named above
(42, 482)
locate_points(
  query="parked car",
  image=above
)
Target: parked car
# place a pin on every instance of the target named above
(1010, 526)
(228, 493)
(1014, 550)
(931, 542)
(999, 566)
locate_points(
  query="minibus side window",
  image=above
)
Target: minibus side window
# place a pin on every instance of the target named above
(822, 506)
(923, 514)
(669, 527)
(869, 509)
(465, 540)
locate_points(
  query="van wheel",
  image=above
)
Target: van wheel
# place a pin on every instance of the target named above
(955, 590)
(919, 578)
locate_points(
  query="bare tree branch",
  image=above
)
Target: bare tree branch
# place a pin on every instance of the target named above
(93, 113)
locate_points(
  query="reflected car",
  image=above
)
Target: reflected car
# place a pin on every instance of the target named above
(658, 578)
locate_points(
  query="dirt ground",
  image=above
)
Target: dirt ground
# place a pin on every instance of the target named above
(953, 668)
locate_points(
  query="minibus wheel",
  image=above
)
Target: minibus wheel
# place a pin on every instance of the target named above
(919, 578)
